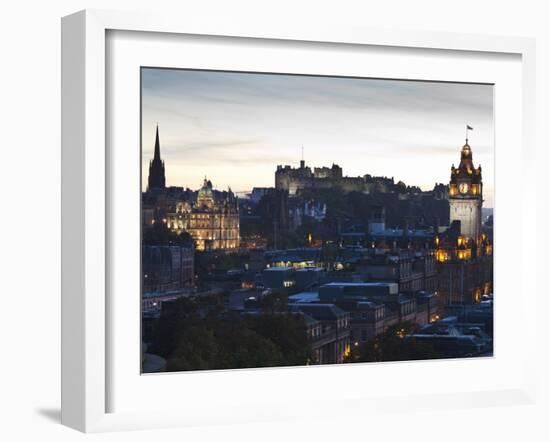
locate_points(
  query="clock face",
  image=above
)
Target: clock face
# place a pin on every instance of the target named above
(463, 188)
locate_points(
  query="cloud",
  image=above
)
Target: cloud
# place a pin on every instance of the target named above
(252, 122)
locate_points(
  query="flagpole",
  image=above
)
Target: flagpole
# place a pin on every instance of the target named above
(467, 129)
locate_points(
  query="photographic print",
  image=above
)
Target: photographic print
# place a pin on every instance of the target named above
(293, 220)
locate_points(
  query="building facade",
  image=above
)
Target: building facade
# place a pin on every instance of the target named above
(464, 252)
(373, 307)
(328, 328)
(212, 221)
(466, 195)
(410, 269)
(167, 268)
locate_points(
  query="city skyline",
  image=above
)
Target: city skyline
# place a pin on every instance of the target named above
(322, 264)
(236, 128)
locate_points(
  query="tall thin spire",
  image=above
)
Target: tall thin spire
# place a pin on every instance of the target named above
(157, 178)
(157, 145)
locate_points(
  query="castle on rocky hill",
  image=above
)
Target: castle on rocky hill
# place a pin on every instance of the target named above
(294, 180)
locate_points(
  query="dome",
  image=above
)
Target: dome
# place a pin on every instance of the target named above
(205, 196)
(206, 189)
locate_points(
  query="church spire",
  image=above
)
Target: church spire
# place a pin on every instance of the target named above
(157, 178)
(157, 146)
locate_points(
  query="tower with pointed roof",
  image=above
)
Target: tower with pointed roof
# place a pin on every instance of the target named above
(157, 178)
(466, 195)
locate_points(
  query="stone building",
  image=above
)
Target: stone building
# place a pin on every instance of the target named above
(464, 252)
(212, 220)
(373, 306)
(167, 268)
(328, 331)
(466, 195)
(465, 269)
(293, 180)
(210, 217)
(410, 269)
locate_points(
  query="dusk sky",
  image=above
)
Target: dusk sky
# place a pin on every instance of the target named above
(235, 128)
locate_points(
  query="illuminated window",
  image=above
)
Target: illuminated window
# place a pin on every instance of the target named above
(441, 255)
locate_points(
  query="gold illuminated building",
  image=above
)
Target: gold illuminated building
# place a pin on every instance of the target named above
(212, 221)
(463, 251)
(466, 195)
(464, 240)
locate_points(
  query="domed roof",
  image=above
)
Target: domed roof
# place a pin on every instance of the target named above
(206, 189)
(205, 196)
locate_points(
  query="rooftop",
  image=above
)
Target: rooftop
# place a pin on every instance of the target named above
(319, 311)
(167, 294)
(304, 297)
(311, 269)
(278, 269)
(359, 284)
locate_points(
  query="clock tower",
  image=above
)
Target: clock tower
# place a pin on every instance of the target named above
(466, 195)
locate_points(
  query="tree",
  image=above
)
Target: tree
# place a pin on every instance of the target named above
(178, 316)
(288, 332)
(274, 302)
(241, 347)
(392, 346)
(222, 346)
(196, 349)
(198, 334)
(160, 235)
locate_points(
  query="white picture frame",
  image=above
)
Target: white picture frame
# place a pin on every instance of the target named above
(87, 356)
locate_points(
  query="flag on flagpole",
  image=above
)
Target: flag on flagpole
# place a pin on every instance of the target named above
(469, 127)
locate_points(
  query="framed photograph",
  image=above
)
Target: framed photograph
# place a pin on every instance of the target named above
(275, 210)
